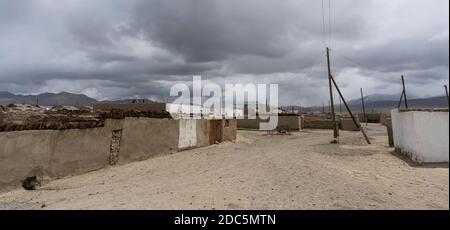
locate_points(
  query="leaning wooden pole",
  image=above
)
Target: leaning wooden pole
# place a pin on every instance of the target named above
(333, 115)
(404, 92)
(363, 106)
(446, 92)
(400, 101)
(350, 111)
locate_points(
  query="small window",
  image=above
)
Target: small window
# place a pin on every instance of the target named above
(227, 123)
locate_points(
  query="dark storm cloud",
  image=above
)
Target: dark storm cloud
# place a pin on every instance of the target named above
(113, 49)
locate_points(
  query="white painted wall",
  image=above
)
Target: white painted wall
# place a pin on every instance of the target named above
(188, 133)
(423, 136)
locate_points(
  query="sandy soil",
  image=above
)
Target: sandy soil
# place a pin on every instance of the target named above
(298, 171)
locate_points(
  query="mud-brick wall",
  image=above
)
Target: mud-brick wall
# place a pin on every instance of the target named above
(53, 153)
(347, 124)
(229, 130)
(144, 138)
(2, 117)
(290, 123)
(202, 132)
(318, 124)
(252, 124)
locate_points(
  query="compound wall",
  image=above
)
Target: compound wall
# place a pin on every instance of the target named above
(59, 153)
(422, 135)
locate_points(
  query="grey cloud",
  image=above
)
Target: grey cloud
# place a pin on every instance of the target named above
(141, 47)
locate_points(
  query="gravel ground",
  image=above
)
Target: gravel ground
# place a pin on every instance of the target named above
(260, 171)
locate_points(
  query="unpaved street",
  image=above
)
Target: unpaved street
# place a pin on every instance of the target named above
(298, 171)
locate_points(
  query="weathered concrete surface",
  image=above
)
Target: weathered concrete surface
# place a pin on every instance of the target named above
(229, 130)
(384, 118)
(2, 117)
(202, 133)
(188, 133)
(422, 135)
(258, 172)
(52, 153)
(143, 138)
(388, 124)
(285, 122)
(59, 153)
(371, 117)
(289, 123)
(318, 124)
(348, 124)
(251, 124)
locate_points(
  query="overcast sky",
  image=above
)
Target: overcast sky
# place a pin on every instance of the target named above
(110, 49)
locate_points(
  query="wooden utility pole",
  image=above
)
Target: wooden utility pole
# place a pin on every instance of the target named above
(404, 92)
(363, 106)
(333, 115)
(446, 92)
(400, 101)
(350, 112)
(340, 105)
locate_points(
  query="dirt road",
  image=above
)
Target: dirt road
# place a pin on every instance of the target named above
(298, 171)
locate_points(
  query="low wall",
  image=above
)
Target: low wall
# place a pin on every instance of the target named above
(143, 138)
(290, 123)
(285, 122)
(230, 130)
(252, 124)
(422, 135)
(53, 153)
(319, 124)
(371, 117)
(385, 118)
(148, 107)
(2, 117)
(347, 124)
(60, 153)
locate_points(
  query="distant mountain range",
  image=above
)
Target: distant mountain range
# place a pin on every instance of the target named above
(379, 103)
(376, 102)
(47, 99)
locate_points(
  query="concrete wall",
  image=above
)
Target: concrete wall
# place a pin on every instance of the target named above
(53, 153)
(59, 153)
(422, 135)
(2, 117)
(252, 124)
(229, 130)
(371, 117)
(318, 124)
(289, 123)
(143, 138)
(347, 124)
(384, 118)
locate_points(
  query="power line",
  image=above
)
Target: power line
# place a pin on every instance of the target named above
(353, 61)
(329, 23)
(323, 25)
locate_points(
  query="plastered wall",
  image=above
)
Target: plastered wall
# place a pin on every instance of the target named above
(422, 135)
(60, 153)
